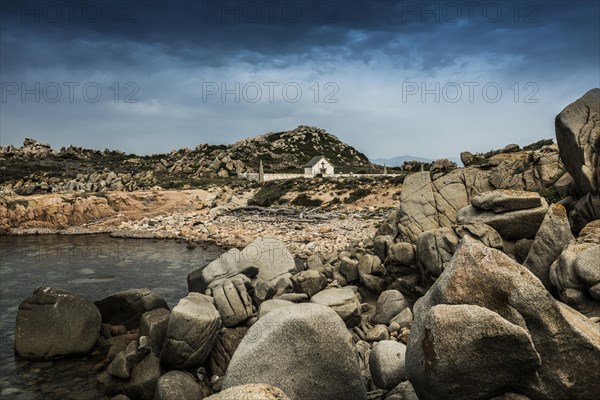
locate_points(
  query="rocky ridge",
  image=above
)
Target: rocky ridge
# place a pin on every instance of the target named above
(37, 168)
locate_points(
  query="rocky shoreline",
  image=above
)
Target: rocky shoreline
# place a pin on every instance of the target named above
(332, 232)
(479, 285)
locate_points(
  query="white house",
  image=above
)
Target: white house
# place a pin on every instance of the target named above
(318, 165)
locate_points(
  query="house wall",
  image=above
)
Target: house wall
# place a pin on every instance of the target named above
(253, 176)
(316, 169)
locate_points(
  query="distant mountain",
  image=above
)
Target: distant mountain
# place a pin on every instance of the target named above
(399, 160)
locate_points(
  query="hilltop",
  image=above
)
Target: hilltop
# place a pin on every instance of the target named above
(38, 168)
(289, 150)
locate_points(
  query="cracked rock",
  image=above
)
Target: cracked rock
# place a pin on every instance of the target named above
(191, 332)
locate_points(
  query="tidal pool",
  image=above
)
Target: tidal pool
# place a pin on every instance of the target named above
(93, 266)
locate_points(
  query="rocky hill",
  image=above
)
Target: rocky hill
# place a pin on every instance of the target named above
(37, 168)
(289, 150)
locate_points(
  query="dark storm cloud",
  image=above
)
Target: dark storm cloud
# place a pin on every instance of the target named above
(216, 33)
(367, 48)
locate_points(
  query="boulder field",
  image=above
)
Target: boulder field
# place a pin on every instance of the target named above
(476, 287)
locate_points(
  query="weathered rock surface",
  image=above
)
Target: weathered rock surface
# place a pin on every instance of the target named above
(305, 350)
(233, 302)
(436, 247)
(126, 308)
(488, 326)
(343, 301)
(500, 201)
(584, 210)
(432, 200)
(191, 333)
(265, 258)
(144, 376)
(349, 268)
(386, 363)
(377, 333)
(576, 272)
(578, 137)
(389, 304)
(427, 204)
(401, 253)
(227, 342)
(512, 225)
(371, 272)
(54, 323)
(271, 305)
(309, 282)
(124, 362)
(177, 385)
(381, 245)
(554, 234)
(404, 391)
(251, 391)
(154, 325)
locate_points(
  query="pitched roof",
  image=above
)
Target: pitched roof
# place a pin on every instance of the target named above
(315, 160)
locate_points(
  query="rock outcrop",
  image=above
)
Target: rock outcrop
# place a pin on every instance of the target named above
(501, 213)
(578, 136)
(488, 326)
(431, 200)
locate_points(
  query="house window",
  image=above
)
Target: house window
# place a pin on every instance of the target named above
(323, 169)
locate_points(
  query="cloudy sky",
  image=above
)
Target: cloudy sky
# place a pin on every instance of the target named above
(390, 77)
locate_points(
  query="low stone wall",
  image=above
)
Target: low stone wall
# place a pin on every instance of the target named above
(253, 176)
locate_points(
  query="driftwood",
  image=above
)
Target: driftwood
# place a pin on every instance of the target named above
(292, 214)
(296, 214)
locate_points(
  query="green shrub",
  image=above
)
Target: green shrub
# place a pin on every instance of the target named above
(539, 144)
(303, 200)
(270, 193)
(550, 194)
(12, 204)
(357, 195)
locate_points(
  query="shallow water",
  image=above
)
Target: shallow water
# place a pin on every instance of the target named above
(91, 265)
